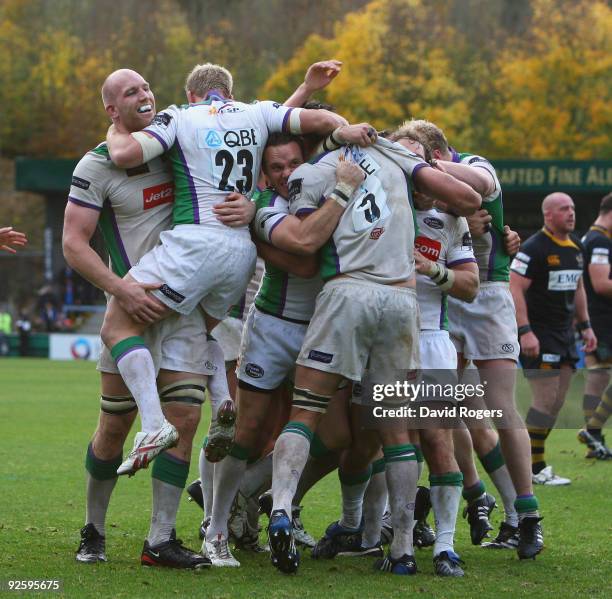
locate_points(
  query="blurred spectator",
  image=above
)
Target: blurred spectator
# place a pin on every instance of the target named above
(6, 326)
(49, 317)
(24, 327)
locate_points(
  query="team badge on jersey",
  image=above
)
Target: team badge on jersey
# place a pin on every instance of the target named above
(553, 260)
(162, 119)
(433, 222)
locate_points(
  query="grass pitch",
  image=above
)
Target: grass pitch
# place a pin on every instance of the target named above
(48, 412)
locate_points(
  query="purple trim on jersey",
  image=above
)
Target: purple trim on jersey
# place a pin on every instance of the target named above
(305, 211)
(322, 201)
(129, 351)
(120, 245)
(158, 138)
(336, 256)
(84, 204)
(283, 295)
(462, 261)
(442, 314)
(216, 94)
(454, 155)
(278, 222)
(273, 199)
(194, 195)
(493, 253)
(285, 119)
(418, 167)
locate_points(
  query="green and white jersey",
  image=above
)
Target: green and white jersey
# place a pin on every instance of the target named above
(445, 239)
(493, 261)
(135, 204)
(374, 239)
(281, 293)
(215, 147)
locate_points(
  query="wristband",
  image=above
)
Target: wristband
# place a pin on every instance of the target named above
(329, 144)
(340, 197)
(524, 329)
(583, 326)
(336, 139)
(442, 276)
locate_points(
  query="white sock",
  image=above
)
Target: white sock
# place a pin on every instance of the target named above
(166, 500)
(374, 504)
(290, 456)
(228, 476)
(98, 497)
(402, 479)
(503, 483)
(445, 500)
(138, 373)
(258, 477)
(352, 498)
(207, 472)
(218, 390)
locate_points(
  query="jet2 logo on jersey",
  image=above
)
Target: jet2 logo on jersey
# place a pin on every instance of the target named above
(429, 248)
(158, 195)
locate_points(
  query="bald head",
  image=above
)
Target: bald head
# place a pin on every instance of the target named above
(115, 82)
(559, 213)
(554, 200)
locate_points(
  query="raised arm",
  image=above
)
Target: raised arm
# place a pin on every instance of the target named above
(318, 76)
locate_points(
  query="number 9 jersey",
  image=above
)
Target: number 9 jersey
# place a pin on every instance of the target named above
(215, 147)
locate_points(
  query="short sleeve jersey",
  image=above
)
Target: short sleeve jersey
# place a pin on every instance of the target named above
(215, 147)
(374, 239)
(493, 260)
(281, 293)
(597, 245)
(135, 204)
(445, 239)
(554, 266)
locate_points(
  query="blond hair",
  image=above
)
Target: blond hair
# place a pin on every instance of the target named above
(206, 77)
(430, 135)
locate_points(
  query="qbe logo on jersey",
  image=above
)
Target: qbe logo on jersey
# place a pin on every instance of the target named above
(234, 157)
(429, 248)
(158, 195)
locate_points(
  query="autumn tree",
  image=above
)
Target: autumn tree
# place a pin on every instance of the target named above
(555, 84)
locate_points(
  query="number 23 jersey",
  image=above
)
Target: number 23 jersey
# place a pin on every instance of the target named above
(215, 147)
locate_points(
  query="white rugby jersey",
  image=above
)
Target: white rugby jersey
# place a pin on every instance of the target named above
(135, 204)
(215, 147)
(281, 293)
(445, 239)
(374, 239)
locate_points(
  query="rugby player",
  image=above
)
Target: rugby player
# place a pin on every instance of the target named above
(547, 287)
(9, 238)
(597, 244)
(485, 332)
(215, 146)
(132, 207)
(443, 246)
(367, 310)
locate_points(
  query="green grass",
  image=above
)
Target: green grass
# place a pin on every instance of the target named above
(48, 411)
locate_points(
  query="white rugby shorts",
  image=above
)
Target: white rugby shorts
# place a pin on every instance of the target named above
(269, 349)
(486, 328)
(199, 265)
(357, 323)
